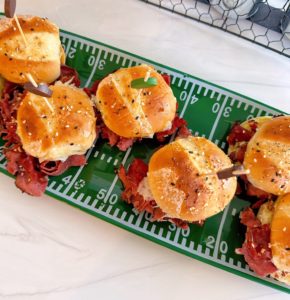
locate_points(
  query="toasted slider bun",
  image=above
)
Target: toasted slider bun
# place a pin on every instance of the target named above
(54, 135)
(179, 182)
(42, 57)
(278, 216)
(280, 237)
(131, 112)
(268, 156)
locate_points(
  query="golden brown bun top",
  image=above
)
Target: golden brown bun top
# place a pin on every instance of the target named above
(54, 135)
(268, 156)
(280, 234)
(41, 57)
(179, 182)
(133, 112)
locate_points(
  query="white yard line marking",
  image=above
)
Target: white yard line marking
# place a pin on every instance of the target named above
(176, 237)
(216, 122)
(68, 47)
(219, 233)
(77, 173)
(94, 68)
(116, 177)
(187, 101)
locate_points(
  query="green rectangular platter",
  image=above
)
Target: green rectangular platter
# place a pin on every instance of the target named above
(209, 110)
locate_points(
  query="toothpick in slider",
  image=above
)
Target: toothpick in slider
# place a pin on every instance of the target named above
(39, 89)
(20, 30)
(235, 170)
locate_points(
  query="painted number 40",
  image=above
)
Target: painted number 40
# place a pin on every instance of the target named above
(183, 97)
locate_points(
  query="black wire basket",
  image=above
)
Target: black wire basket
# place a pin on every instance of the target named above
(264, 22)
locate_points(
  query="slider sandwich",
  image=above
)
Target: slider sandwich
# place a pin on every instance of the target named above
(136, 103)
(181, 182)
(262, 145)
(41, 56)
(267, 245)
(46, 129)
(44, 139)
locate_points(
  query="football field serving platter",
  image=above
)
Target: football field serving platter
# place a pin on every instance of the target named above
(210, 111)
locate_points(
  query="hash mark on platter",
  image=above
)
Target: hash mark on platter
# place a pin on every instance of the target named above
(246, 106)
(109, 159)
(123, 216)
(223, 145)
(180, 82)
(87, 200)
(219, 97)
(239, 104)
(115, 162)
(253, 109)
(213, 94)
(168, 235)
(103, 156)
(52, 185)
(196, 133)
(239, 264)
(59, 187)
(146, 224)
(73, 193)
(106, 55)
(183, 242)
(223, 257)
(207, 251)
(80, 197)
(199, 89)
(152, 230)
(112, 57)
(176, 237)
(232, 102)
(94, 51)
(109, 209)
(173, 79)
(191, 245)
(95, 202)
(160, 232)
(88, 48)
(116, 212)
(81, 46)
(75, 43)
(124, 62)
(199, 248)
(131, 218)
(205, 92)
(234, 211)
(231, 261)
(139, 219)
(259, 113)
(186, 84)
(216, 142)
(96, 153)
(118, 59)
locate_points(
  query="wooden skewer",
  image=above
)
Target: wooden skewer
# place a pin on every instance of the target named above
(33, 82)
(235, 170)
(20, 30)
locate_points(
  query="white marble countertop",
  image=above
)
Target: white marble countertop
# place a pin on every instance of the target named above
(50, 250)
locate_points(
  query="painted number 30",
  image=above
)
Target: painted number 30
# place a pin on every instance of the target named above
(216, 108)
(92, 61)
